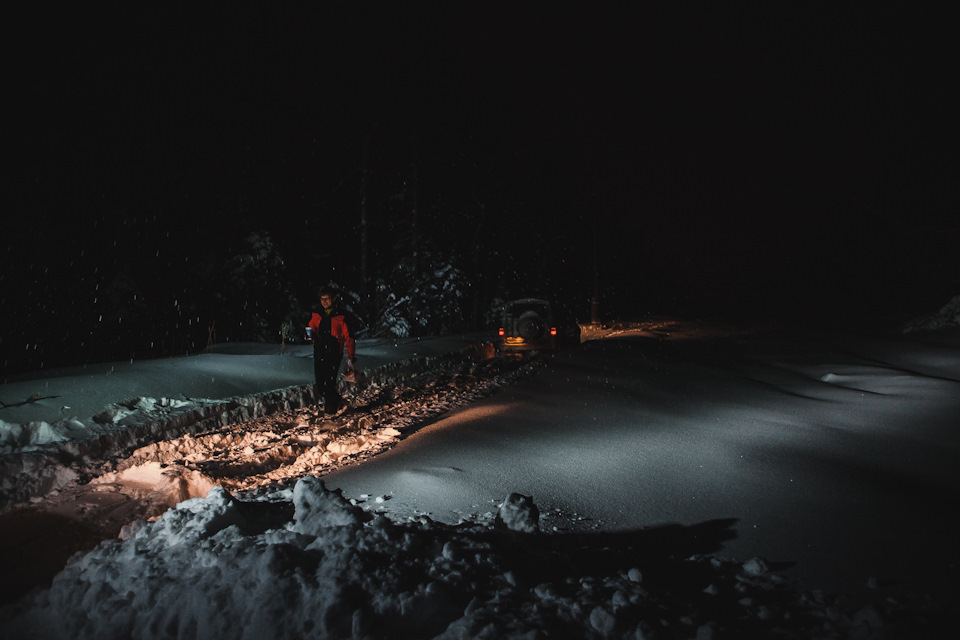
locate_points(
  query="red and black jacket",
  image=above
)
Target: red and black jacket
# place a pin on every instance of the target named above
(331, 332)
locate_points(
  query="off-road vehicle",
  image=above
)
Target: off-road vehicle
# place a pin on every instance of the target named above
(534, 324)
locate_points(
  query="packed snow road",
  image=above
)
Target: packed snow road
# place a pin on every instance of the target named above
(282, 447)
(835, 454)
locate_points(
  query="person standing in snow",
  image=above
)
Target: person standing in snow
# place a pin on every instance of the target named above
(331, 334)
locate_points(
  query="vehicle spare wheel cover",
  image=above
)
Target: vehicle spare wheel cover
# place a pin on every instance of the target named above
(531, 326)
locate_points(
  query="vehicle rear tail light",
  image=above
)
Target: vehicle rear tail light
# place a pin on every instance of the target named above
(553, 331)
(501, 332)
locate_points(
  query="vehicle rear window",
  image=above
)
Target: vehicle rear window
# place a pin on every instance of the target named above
(520, 309)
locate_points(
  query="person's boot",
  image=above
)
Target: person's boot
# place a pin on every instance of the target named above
(331, 406)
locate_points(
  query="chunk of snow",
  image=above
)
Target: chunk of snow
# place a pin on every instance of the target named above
(317, 508)
(519, 513)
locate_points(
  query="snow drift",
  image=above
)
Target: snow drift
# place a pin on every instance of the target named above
(305, 562)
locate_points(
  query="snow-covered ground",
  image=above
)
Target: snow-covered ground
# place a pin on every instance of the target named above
(294, 550)
(53, 421)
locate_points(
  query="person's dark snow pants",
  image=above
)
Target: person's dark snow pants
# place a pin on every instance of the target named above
(326, 366)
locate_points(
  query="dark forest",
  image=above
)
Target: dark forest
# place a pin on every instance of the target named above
(183, 177)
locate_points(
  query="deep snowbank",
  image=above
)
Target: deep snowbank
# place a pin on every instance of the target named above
(304, 562)
(55, 463)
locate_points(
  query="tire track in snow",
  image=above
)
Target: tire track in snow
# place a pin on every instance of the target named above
(280, 447)
(283, 447)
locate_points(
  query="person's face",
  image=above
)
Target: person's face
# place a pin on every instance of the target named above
(326, 301)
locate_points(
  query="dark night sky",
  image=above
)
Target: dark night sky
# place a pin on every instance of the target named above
(717, 156)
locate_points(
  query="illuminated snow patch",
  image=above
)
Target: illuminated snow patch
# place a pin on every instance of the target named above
(158, 483)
